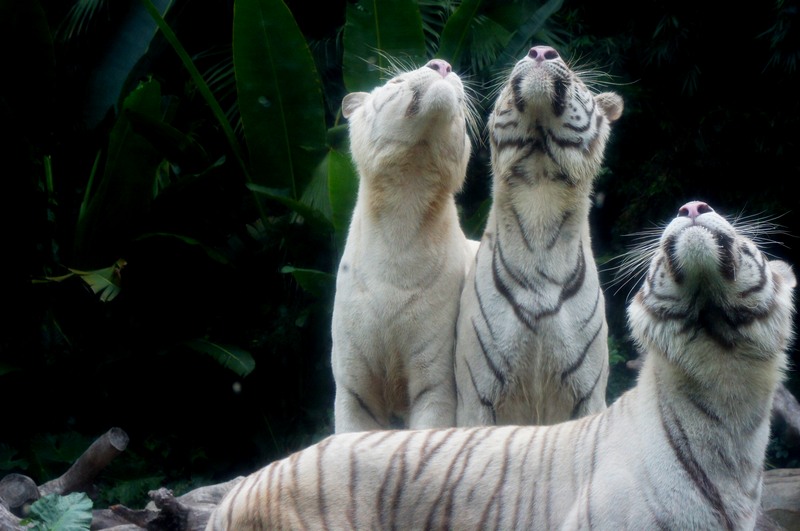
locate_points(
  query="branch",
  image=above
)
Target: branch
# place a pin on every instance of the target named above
(79, 477)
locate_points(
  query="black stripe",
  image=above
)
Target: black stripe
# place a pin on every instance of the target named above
(586, 321)
(564, 143)
(576, 411)
(426, 456)
(574, 283)
(413, 107)
(588, 111)
(353, 485)
(526, 143)
(323, 510)
(679, 442)
(592, 467)
(231, 499)
(497, 498)
(560, 87)
(516, 277)
(400, 454)
(548, 472)
(762, 268)
(483, 311)
(485, 402)
(727, 263)
(554, 238)
(450, 486)
(363, 405)
(582, 357)
(505, 291)
(524, 474)
(519, 101)
(489, 361)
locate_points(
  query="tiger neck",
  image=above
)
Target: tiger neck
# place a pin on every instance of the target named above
(724, 419)
(403, 212)
(544, 224)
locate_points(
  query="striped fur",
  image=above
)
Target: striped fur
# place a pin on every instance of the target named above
(532, 333)
(684, 449)
(405, 258)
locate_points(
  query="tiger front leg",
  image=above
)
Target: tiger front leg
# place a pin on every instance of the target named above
(359, 404)
(431, 387)
(354, 411)
(476, 405)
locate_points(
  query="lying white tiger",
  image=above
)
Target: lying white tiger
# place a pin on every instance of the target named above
(404, 263)
(531, 343)
(684, 449)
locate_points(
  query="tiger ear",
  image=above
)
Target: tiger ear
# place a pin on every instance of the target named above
(784, 270)
(353, 101)
(611, 103)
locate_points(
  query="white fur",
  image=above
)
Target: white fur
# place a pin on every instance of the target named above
(406, 256)
(532, 336)
(684, 449)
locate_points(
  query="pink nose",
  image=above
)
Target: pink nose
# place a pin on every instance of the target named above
(692, 209)
(441, 66)
(542, 53)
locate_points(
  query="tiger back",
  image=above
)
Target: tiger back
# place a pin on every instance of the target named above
(405, 258)
(532, 333)
(683, 449)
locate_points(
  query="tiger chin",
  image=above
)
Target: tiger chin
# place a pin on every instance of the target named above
(405, 258)
(531, 343)
(683, 449)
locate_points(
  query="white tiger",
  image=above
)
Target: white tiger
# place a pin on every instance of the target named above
(683, 449)
(405, 259)
(531, 344)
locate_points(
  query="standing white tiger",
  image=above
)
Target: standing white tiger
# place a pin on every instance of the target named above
(684, 449)
(405, 259)
(531, 343)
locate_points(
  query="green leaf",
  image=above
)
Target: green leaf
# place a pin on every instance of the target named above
(374, 32)
(104, 282)
(9, 459)
(520, 42)
(455, 38)
(316, 193)
(178, 147)
(343, 189)
(315, 282)
(280, 95)
(236, 359)
(125, 191)
(72, 512)
(310, 215)
(475, 225)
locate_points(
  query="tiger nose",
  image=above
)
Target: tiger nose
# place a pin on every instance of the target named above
(441, 66)
(692, 209)
(542, 53)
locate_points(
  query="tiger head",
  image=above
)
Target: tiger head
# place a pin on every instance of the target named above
(418, 119)
(546, 107)
(711, 297)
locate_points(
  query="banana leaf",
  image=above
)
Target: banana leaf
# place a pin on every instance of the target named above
(377, 32)
(343, 190)
(280, 96)
(456, 35)
(125, 190)
(236, 359)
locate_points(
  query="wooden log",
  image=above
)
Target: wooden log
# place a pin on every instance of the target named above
(79, 477)
(17, 492)
(780, 499)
